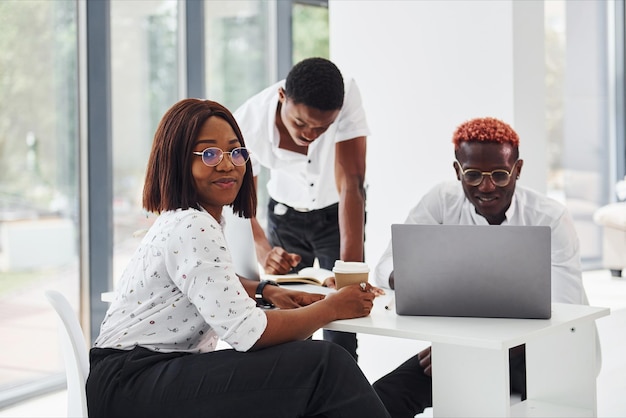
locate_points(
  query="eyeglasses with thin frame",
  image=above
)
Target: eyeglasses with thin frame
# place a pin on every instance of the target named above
(473, 177)
(212, 156)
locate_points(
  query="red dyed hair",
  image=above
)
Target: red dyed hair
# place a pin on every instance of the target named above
(485, 130)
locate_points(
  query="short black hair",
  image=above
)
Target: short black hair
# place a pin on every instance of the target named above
(317, 83)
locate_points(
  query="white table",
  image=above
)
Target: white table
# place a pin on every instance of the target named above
(470, 359)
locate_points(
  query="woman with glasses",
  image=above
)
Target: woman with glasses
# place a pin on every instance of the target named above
(156, 353)
(487, 167)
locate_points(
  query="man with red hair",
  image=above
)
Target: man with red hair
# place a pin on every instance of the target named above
(487, 167)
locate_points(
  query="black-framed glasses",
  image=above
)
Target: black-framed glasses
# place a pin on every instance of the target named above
(473, 177)
(212, 156)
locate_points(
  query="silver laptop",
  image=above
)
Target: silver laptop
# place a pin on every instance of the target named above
(474, 271)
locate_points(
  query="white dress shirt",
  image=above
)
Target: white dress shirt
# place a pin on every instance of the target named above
(446, 204)
(298, 180)
(180, 292)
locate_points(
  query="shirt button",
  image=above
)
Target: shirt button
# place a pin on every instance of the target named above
(309, 161)
(311, 184)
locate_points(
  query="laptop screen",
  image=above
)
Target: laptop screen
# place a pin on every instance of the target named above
(474, 271)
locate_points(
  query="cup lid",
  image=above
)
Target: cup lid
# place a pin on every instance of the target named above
(350, 267)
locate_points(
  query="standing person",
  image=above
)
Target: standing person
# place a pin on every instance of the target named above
(310, 132)
(487, 167)
(155, 355)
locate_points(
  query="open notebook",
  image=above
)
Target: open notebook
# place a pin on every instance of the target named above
(238, 233)
(308, 275)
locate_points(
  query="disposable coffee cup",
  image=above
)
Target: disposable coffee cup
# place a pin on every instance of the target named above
(350, 272)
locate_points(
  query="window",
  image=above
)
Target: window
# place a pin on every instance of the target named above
(310, 31)
(576, 116)
(144, 79)
(239, 50)
(240, 56)
(38, 186)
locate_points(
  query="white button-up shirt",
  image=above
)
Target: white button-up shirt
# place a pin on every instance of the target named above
(298, 180)
(180, 292)
(446, 204)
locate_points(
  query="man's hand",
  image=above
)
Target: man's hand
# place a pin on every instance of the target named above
(279, 261)
(424, 357)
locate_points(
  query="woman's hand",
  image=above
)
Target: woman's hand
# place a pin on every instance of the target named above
(284, 325)
(352, 301)
(284, 298)
(330, 282)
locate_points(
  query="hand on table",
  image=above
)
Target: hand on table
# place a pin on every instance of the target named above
(288, 298)
(352, 301)
(330, 282)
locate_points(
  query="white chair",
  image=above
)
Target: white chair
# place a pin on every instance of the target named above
(74, 354)
(612, 218)
(238, 233)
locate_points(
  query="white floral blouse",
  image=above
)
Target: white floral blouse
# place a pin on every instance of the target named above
(180, 292)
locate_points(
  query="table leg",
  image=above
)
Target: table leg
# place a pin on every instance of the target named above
(470, 381)
(561, 368)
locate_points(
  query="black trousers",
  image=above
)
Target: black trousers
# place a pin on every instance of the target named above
(313, 234)
(299, 379)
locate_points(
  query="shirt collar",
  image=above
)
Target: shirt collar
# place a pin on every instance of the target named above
(221, 221)
(510, 212)
(272, 109)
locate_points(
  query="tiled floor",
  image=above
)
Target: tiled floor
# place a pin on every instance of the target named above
(380, 354)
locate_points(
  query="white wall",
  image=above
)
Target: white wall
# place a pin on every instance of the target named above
(423, 68)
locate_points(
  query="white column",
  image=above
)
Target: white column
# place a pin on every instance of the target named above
(423, 68)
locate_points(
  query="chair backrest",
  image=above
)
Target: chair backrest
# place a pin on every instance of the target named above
(238, 233)
(74, 354)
